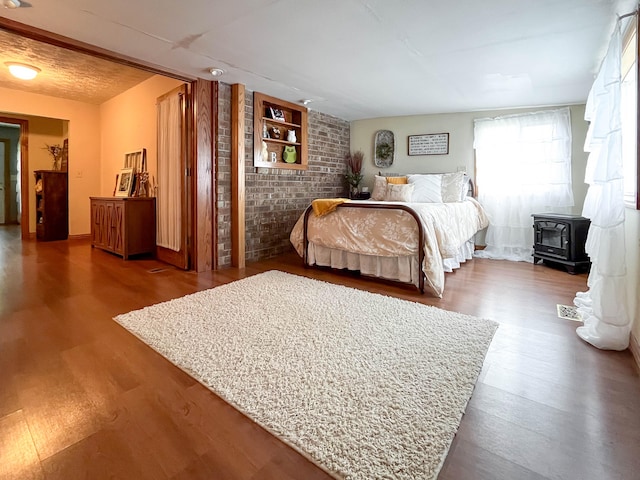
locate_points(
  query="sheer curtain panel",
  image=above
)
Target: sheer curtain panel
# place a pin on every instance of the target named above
(523, 166)
(169, 194)
(603, 306)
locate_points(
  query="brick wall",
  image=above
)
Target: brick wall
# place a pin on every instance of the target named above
(223, 175)
(275, 198)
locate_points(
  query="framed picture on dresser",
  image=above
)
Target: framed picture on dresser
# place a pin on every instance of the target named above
(124, 183)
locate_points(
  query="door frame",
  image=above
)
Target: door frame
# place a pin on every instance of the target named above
(202, 133)
(24, 173)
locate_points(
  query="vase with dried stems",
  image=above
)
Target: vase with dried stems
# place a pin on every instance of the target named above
(56, 152)
(354, 168)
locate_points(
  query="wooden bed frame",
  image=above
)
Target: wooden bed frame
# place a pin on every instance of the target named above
(385, 206)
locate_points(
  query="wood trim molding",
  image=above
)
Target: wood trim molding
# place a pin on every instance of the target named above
(80, 236)
(238, 256)
(204, 108)
(77, 46)
(634, 346)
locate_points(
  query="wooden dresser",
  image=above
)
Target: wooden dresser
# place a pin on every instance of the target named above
(125, 226)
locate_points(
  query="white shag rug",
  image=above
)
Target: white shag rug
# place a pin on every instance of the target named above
(367, 386)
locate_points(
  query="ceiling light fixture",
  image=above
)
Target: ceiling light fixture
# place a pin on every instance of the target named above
(216, 72)
(307, 101)
(10, 3)
(22, 71)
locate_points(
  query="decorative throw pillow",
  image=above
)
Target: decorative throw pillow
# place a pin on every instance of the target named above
(379, 189)
(427, 188)
(452, 185)
(398, 180)
(399, 192)
(466, 186)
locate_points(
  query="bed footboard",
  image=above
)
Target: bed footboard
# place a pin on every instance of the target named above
(387, 206)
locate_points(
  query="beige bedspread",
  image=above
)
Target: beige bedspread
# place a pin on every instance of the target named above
(393, 233)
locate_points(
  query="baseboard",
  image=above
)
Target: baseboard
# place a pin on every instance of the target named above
(634, 346)
(81, 236)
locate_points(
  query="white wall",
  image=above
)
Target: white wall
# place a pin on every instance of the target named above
(129, 124)
(84, 146)
(461, 154)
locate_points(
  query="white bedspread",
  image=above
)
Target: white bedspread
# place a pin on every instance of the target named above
(393, 233)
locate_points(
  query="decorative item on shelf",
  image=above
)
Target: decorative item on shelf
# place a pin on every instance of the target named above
(289, 154)
(291, 136)
(143, 183)
(265, 152)
(384, 148)
(275, 114)
(265, 131)
(115, 187)
(56, 152)
(275, 133)
(354, 167)
(274, 157)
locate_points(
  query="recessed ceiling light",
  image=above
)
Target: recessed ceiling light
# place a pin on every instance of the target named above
(22, 71)
(10, 3)
(216, 72)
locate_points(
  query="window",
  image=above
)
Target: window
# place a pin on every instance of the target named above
(523, 166)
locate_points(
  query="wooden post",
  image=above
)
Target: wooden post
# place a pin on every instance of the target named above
(204, 238)
(237, 176)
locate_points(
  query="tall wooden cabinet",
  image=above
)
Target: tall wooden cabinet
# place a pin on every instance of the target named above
(124, 225)
(52, 205)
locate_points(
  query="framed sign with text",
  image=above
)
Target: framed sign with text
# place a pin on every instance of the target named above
(429, 144)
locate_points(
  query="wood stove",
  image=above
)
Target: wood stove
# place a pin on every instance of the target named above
(560, 238)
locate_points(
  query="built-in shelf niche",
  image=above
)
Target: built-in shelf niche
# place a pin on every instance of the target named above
(295, 118)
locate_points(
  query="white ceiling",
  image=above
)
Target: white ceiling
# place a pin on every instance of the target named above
(359, 58)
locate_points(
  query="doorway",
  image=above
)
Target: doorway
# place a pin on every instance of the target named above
(15, 183)
(5, 185)
(40, 135)
(201, 142)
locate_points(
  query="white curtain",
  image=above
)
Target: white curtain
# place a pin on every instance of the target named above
(603, 306)
(168, 201)
(523, 166)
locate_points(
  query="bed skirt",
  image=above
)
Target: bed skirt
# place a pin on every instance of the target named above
(402, 269)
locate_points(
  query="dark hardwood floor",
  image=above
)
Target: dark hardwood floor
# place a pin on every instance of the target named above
(81, 398)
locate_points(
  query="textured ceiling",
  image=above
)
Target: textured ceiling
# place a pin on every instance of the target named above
(357, 58)
(65, 73)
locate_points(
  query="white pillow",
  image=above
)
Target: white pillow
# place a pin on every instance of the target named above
(427, 188)
(379, 189)
(399, 192)
(452, 187)
(465, 188)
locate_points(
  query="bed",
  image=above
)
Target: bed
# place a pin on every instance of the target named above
(381, 237)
